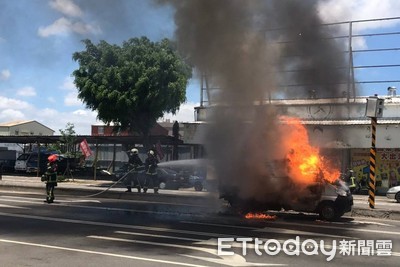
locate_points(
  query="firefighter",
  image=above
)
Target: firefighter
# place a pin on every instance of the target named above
(50, 177)
(351, 180)
(151, 172)
(134, 163)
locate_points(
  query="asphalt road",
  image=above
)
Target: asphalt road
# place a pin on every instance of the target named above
(78, 231)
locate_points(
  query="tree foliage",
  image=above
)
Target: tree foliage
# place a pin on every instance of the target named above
(131, 85)
(66, 145)
(68, 138)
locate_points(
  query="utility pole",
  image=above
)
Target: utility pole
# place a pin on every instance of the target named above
(175, 134)
(373, 110)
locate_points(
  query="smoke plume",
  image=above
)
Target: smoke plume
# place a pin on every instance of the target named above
(252, 50)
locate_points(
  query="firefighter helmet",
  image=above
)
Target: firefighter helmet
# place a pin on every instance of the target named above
(151, 152)
(52, 158)
(135, 151)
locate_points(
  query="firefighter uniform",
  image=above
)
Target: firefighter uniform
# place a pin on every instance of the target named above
(51, 178)
(133, 177)
(151, 172)
(351, 181)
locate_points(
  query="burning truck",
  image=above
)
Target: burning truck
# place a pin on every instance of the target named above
(303, 181)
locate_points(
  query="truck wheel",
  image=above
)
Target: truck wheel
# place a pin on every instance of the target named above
(198, 186)
(397, 197)
(328, 211)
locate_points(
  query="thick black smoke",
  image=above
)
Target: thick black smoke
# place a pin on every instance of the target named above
(254, 49)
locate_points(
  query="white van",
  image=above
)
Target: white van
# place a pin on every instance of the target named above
(20, 163)
(329, 200)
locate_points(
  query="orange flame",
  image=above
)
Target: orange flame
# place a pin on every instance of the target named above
(251, 215)
(305, 163)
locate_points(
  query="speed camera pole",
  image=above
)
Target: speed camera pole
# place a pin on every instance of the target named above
(374, 110)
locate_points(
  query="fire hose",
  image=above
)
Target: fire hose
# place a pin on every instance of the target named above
(111, 186)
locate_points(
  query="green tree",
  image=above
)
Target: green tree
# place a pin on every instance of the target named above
(68, 139)
(131, 85)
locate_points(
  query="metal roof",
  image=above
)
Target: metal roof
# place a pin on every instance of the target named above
(50, 139)
(16, 123)
(13, 123)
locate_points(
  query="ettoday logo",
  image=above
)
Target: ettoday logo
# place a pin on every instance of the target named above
(295, 247)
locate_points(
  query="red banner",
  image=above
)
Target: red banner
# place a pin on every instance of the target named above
(85, 148)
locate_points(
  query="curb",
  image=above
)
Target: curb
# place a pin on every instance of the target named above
(373, 213)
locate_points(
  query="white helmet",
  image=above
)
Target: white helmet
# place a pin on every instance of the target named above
(151, 152)
(135, 151)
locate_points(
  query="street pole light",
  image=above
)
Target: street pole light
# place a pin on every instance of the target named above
(373, 110)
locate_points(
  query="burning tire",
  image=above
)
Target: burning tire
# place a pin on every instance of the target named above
(327, 211)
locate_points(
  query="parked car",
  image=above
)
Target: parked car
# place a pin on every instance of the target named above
(191, 172)
(168, 179)
(188, 179)
(31, 163)
(20, 163)
(394, 193)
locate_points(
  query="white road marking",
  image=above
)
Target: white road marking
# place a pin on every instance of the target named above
(21, 192)
(221, 225)
(298, 232)
(209, 242)
(39, 200)
(14, 207)
(59, 204)
(80, 200)
(275, 230)
(346, 227)
(19, 200)
(355, 222)
(160, 236)
(98, 201)
(136, 227)
(101, 253)
(165, 203)
(234, 260)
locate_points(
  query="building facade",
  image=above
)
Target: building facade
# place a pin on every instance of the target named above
(23, 128)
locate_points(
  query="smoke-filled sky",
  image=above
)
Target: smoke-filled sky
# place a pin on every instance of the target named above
(37, 39)
(243, 46)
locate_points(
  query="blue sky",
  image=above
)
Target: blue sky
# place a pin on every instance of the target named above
(38, 38)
